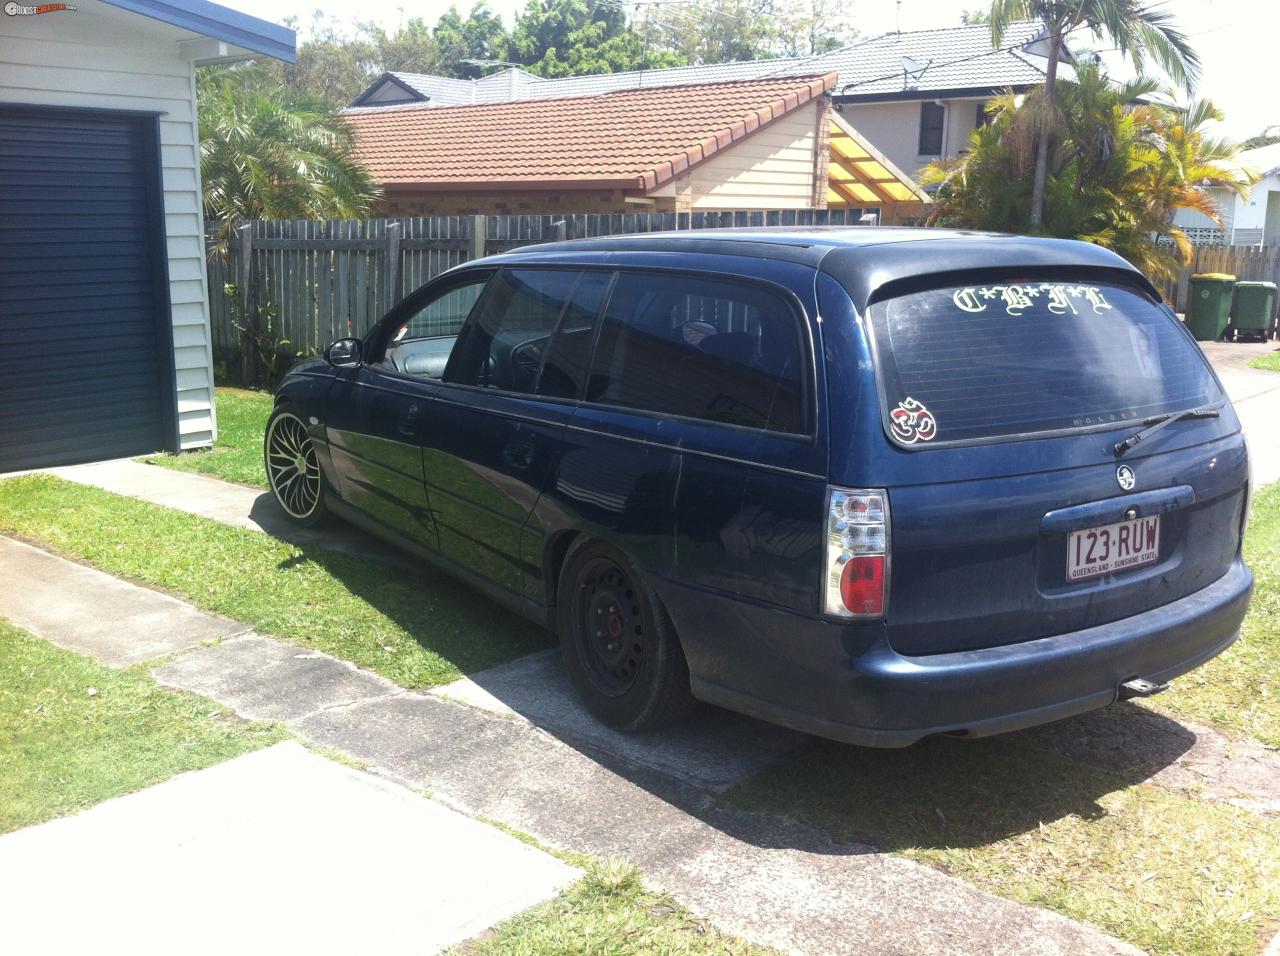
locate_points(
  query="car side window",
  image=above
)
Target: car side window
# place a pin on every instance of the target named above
(503, 343)
(422, 340)
(701, 348)
(568, 355)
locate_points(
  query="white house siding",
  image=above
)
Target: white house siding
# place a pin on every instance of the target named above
(104, 58)
(770, 169)
(894, 128)
(1245, 222)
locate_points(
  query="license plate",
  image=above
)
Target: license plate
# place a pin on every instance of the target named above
(1112, 547)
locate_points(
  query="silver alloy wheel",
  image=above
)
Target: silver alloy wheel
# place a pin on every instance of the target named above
(292, 466)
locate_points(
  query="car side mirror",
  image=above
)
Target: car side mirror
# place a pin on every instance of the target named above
(344, 353)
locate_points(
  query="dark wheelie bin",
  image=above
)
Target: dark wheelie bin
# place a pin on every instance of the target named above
(1209, 305)
(1253, 310)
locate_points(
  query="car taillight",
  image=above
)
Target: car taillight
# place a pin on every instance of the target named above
(857, 572)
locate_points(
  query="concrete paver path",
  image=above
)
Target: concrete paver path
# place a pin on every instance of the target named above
(1255, 393)
(278, 851)
(93, 613)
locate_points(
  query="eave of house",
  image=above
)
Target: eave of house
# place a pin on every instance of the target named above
(239, 34)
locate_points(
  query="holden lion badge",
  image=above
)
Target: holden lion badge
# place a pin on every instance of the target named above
(1125, 477)
(912, 422)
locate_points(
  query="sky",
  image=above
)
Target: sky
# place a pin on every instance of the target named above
(1238, 40)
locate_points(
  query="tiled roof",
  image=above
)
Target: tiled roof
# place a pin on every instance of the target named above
(952, 58)
(1264, 159)
(630, 139)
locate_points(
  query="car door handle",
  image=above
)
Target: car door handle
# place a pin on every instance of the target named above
(407, 423)
(518, 455)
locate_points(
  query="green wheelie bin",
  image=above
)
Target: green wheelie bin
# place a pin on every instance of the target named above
(1209, 305)
(1253, 310)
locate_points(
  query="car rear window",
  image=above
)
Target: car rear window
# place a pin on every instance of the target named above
(1014, 358)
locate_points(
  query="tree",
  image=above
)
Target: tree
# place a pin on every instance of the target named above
(269, 153)
(1119, 172)
(809, 27)
(549, 34)
(973, 18)
(333, 64)
(481, 36)
(720, 31)
(412, 48)
(1137, 30)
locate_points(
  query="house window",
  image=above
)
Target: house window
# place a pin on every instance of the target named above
(983, 118)
(932, 116)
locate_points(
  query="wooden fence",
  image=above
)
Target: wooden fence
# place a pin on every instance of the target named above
(1246, 263)
(313, 282)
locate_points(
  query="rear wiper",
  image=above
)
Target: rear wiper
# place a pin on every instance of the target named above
(1157, 423)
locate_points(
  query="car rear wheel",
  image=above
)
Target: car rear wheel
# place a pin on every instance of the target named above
(618, 644)
(293, 469)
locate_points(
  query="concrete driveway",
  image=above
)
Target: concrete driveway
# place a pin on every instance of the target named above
(1256, 396)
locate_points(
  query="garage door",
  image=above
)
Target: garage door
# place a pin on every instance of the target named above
(86, 364)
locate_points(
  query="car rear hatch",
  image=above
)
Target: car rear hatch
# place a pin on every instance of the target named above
(1000, 403)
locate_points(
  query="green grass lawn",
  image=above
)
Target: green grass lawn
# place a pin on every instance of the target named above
(1170, 873)
(1270, 361)
(74, 733)
(414, 627)
(606, 913)
(1237, 690)
(237, 454)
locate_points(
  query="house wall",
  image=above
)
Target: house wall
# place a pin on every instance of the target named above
(1245, 221)
(115, 62)
(513, 203)
(894, 128)
(770, 169)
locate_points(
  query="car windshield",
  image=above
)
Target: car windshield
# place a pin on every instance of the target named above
(1015, 358)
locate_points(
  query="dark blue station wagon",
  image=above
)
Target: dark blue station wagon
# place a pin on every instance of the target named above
(873, 484)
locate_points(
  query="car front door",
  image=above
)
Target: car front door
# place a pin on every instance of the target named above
(498, 418)
(376, 413)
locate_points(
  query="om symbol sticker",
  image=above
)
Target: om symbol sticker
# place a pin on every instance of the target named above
(912, 422)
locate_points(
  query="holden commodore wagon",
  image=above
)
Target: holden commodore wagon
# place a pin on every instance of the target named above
(874, 484)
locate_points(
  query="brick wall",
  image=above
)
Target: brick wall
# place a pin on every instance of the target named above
(526, 202)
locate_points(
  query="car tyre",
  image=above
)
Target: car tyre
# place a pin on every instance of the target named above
(618, 643)
(293, 469)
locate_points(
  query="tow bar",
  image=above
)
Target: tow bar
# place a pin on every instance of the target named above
(1141, 687)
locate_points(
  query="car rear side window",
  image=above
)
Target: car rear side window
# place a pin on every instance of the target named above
(701, 348)
(1015, 358)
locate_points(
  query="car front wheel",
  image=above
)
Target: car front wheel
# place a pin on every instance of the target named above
(618, 644)
(293, 469)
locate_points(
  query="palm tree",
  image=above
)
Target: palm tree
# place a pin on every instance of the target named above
(1121, 171)
(266, 153)
(1136, 29)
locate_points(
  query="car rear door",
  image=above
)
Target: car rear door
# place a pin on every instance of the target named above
(993, 420)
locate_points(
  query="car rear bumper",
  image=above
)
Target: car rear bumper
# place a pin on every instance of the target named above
(880, 698)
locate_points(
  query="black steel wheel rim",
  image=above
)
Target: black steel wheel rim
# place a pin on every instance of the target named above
(609, 627)
(292, 466)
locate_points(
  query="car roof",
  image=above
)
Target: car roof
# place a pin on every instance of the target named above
(811, 244)
(863, 258)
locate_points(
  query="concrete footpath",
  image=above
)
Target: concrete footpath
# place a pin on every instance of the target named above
(1255, 393)
(278, 851)
(759, 877)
